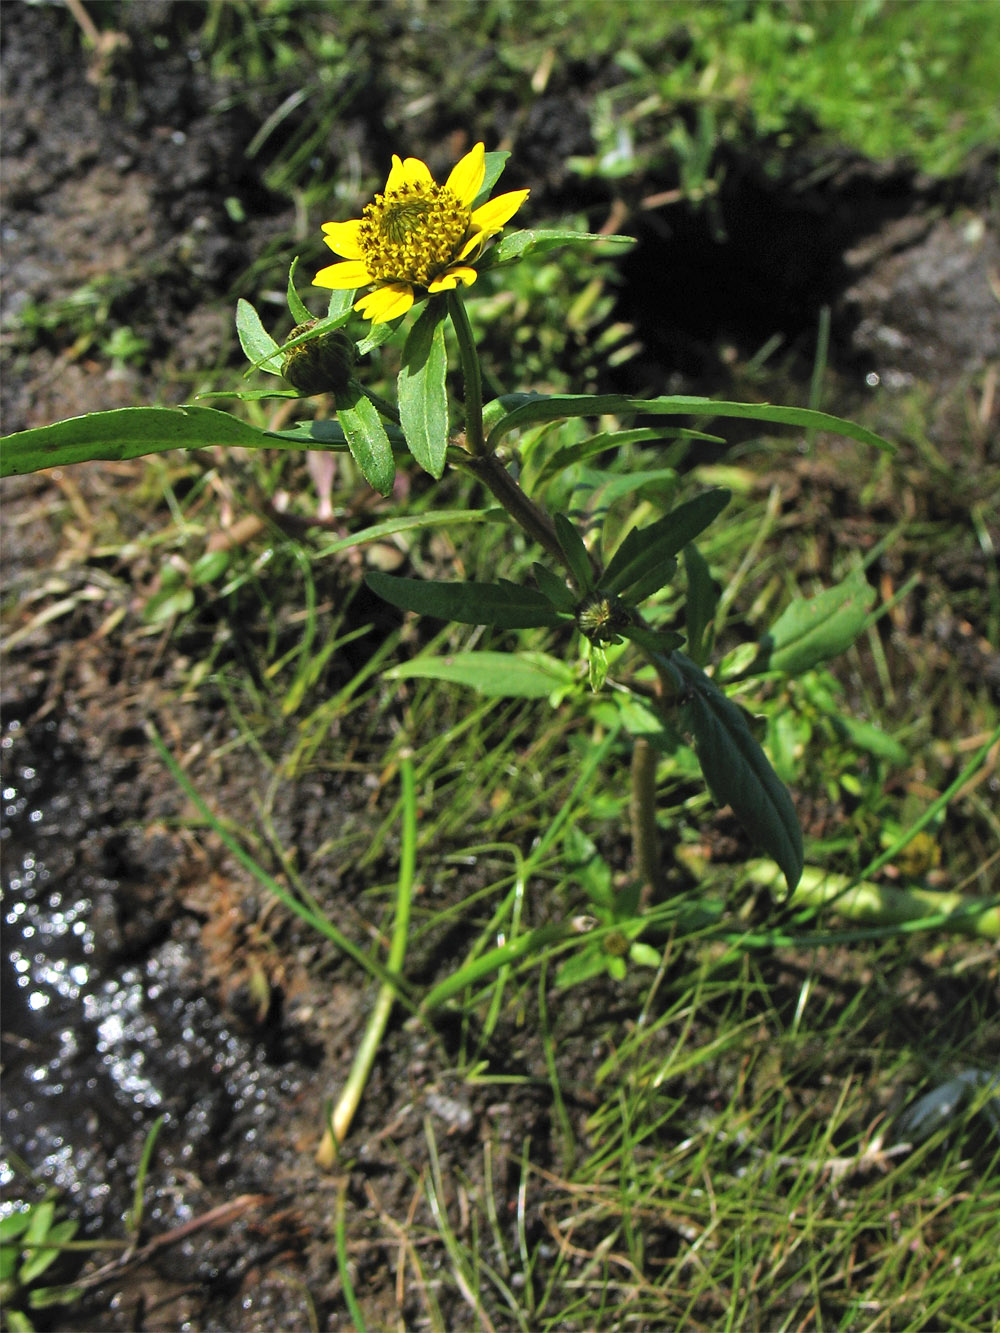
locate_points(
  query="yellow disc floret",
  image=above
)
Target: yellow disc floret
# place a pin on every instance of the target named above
(412, 234)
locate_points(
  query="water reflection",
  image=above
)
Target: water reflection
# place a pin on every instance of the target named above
(101, 1036)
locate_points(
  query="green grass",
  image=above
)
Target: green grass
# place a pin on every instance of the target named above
(905, 79)
(721, 1146)
(711, 1141)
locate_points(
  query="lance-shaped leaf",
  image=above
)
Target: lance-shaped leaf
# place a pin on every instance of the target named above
(493, 164)
(575, 552)
(250, 395)
(255, 340)
(582, 450)
(560, 406)
(811, 630)
(643, 562)
(739, 774)
(653, 640)
(554, 588)
(504, 605)
(340, 303)
(366, 439)
(376, 336)
(423, 400)
(699, 608)
(126, 432)
(537, 241)
(297, 308)
(321, 435)
(499, 675)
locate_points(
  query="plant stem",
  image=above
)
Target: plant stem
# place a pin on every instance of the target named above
(531, 518)
(337, 1125)
(475, 437)
(387, 409)
(642, 812)
(536, 524)
(885, 904)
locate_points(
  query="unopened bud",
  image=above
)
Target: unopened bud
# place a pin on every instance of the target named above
(601, 616)
(322, 365)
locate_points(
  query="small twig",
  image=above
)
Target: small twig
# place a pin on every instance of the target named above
(134, 1256)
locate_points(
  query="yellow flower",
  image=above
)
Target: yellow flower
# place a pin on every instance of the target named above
(416, 234)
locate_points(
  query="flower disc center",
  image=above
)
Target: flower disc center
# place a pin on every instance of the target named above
(413, 233)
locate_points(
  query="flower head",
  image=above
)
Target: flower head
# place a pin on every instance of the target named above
(321, 365)
(416, 234)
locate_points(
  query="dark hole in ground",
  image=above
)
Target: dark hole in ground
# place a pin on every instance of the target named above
(709, 285)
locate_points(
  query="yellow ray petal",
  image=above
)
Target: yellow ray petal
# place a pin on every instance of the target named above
(495, 213)
(341, 277)
(385, 303)
(452, 278)
(410, 172)
(343, 238)
(466, 179)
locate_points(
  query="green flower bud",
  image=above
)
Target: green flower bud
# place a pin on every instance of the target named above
(322, 365)
(601, 616)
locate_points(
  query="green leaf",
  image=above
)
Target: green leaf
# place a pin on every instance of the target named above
(643, 562)
(497, 408)
(404, 523)
(644, 955)
(499, 675)
(327, 435)
(504, 605)
(14, 1225)
(36, 1264)
(249, 395)
(209, 567)
(297, 308)
(699, 609)
(610, 439)
(494, 163)
(518, 245)
(606, 489)
(580, 967)
(598, 662)
(255, 340)
(738, 772)
(167, 604)
(811, 630)
(340, 304)
(554, 588)
(127, 432)
(575, 552)
(44, 1297)
(653, 640)
(560, 406)
(379, 333)
(870, 738)
(366, 439)
(10, 1258)
(18, 1321)
(423, 400)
